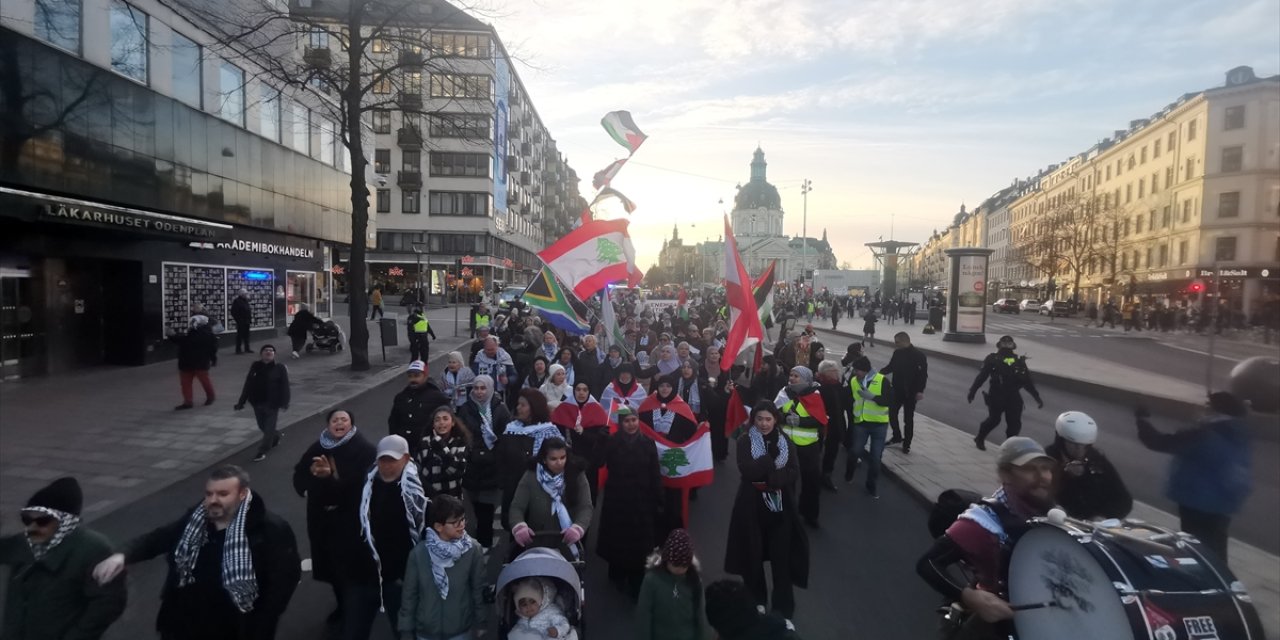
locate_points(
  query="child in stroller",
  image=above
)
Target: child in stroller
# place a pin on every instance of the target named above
(540, 615)
(327, 336)
(540, 596)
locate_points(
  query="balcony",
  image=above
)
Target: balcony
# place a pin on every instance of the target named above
(317, 58)
(525, 178)
(526, 149)
(411, 58)
(409, 101)
(409, 179)
(409, 138)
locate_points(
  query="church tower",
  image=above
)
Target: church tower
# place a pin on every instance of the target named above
(757, 210)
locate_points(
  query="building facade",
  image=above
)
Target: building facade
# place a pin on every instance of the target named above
(144, 169)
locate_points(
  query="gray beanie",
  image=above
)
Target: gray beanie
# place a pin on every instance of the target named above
(805, 373)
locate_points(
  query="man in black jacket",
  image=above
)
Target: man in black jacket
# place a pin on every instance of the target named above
(412, 408)
(266, 387)
(910, 370)
(243, 315)
(233, 565)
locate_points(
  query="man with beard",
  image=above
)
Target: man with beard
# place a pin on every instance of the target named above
(412, 408)
(804, 419)
(984, 535)
(910, 370)
(629, 514)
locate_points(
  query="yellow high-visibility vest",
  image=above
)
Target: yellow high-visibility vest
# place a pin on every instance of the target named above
(421, 325)
(482, 321)
(868, 410)
(805, 433)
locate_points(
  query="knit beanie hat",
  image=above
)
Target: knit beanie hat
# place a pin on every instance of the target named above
(62, 495)
(805, 373)
(677, 551)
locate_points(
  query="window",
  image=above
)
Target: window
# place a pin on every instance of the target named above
(1137, 228)
(1164, 255)
(318, 38)
(231, 93)
(1166, 217)
(1142, 188)
(1186, 211)
(382, 161)
(459, 243)
(1229, 204)
(186, 70)
(382, 86)
(475, 165)
(1149, 263)
(1128, 225)
(1234, 118)
(58, 23)
(1191, 167)
(398, 240)
(382, 121)
(269, 114)
(1144, 155)
(384, 204)
(1119, 167)
(459, 204)
(410, 201)
(1108, 172)
(1173, 140)
(1191, 130)
(301, 138)
(457, 125)
(1232, 159)
(1182, 252)
(413, 82)
(1151, 221)
(1124, 262)
(1137, 260)
(1168, 177)
(1155, 183)
(411, 40)
(463, 45)
(129, 40)
(411, 160)
(328, 146)
(1128, 193)
(379, 45)
(1131, 162)
(1155, 149)
(1225, 249)
(444, 85)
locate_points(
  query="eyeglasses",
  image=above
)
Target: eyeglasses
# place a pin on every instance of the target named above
(39, 521)
(456, 523)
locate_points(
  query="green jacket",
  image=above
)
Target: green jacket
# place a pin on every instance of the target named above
(424, 613)
(56, 598)
(669, 608)
(532, 506)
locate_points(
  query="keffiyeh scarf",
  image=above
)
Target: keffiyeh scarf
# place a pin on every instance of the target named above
(415, 504)
(443, 555)
(67, 523)
(554, 486)
(486, 424)
(238, 577)
(688, 389)
(538, 432)
(772, 498)
(986, 518)
(328, 442)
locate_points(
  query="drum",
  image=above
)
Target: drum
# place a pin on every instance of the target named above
(1124, 581)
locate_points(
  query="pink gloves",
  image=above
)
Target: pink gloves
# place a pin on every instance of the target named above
(573, 534)
(522, 534)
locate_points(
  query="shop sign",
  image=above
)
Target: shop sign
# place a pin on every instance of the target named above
(1235, 273)
(268, 248)
(1158, 276)
(128, 219)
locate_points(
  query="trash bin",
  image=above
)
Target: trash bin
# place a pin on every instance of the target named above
(935, 317)
(389, 333)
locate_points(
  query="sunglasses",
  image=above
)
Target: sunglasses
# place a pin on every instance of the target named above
(39, 521)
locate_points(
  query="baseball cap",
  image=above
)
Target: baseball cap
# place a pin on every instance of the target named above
(393, 447)
(1020, 450)
(418, 365)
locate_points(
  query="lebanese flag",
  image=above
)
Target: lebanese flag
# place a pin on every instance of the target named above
(745, 330)
(592, 256)
(623, 130)
(736, 414)
(684, 466)
(606, 175)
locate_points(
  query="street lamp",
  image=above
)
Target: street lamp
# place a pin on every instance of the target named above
(805, 188)
(418, 251)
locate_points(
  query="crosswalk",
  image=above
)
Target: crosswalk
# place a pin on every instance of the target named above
(1027, 328)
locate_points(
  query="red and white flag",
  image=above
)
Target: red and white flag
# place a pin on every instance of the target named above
(745, 330)
(595, 254)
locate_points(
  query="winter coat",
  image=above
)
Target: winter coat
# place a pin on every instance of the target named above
(197, 349)
(587, 369)
(633, 499)
(532, 506)
(275, 564)
(789, 544)
(669, 607)
(423, 614)
(1210, 471)
(56, 598)
(333, 510)
(303, 322)
(482, 463)
(869, 323)
(411, 412)
(514, 455)
(266, 385)
(454, 385)
(442, 462)
(1097, 493)
(910, 370)
(241, 312)
(1009, 376)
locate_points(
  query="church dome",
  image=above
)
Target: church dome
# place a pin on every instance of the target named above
(758, 193)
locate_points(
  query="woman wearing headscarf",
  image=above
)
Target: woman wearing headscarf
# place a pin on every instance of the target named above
(691, 388)
(715, 398)
(552, 496)
(455, 378)
(333, 490)
(564, 358)
(557, 387)
(486, 417)
(550, 347)
(667, 414)
(584, 421)
(765, 525)
(624, 389)
(613, 360)
(520, 442)
(668, 361)
(630, 514)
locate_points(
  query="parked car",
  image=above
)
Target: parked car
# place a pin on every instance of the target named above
(1030, 304)
(1060, 308)
(1005, 305)
(507, 295)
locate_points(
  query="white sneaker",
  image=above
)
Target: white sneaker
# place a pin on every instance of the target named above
(295, 355)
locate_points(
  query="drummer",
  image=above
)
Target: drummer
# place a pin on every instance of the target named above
(983, 536)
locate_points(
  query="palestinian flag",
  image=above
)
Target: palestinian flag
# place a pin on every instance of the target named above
(606, 175)
(762, 289)
(559, 308)
(623, 130)
(610, 192)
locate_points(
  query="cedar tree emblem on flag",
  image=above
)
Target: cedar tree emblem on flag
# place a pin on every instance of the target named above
(607, 251)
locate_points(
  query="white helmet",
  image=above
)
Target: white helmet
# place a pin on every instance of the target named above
(1077, 427)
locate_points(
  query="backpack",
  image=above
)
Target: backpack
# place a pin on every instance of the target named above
(951, 503)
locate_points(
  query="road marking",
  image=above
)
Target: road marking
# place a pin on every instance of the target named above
(1203, 353)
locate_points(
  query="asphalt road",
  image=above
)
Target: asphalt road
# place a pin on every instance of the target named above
(862, 570)
(1144, 471)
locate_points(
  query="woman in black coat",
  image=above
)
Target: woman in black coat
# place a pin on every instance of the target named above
(765, 525)
(486, 418)
(632, 502)
(331, 475)
(303, 322)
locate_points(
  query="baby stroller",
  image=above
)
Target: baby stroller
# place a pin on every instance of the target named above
(327, 336)
(549, 564)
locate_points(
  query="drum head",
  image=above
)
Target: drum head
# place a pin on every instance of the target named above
(1050, 566)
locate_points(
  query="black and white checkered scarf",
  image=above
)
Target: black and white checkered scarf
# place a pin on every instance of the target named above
(238, 577)
(67, 522)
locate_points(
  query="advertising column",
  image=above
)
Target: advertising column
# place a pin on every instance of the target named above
(966, 300)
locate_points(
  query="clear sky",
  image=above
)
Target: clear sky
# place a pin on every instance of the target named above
(897, 110)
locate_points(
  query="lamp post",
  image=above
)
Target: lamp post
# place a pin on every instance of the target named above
(418, 250)
(805, 188)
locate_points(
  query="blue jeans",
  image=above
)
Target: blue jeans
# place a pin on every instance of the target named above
(875, 432)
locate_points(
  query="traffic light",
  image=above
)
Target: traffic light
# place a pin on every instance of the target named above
(1196, 286)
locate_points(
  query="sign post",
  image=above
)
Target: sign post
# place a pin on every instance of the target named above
(967, 295)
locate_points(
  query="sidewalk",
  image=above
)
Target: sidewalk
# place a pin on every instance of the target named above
(116, 431)
(943, 458)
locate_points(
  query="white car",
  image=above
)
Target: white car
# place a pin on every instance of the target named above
(1030, 304)
(1059, 308)
(507, 295)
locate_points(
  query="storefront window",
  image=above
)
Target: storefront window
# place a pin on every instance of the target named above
(300, 288)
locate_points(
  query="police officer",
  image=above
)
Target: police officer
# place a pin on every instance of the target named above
(1009, 376)
(480, 319)
(419, 328)
(805, 420)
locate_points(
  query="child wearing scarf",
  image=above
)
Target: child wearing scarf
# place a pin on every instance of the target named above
(444, 578)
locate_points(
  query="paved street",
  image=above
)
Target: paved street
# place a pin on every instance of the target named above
(1144, 471)
(862, 572)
